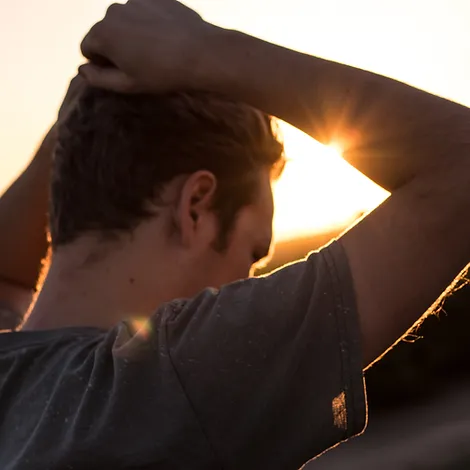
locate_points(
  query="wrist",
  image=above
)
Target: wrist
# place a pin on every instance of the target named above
(204, 65)
(250, 70)
(218, 67)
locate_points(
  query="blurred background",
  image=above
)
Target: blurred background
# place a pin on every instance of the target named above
(419, 412)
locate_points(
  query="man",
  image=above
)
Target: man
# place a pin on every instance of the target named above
(263, 373)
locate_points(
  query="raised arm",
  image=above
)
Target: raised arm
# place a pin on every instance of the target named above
(23, 218)
(23, 234)
(408, 251)
(23, 221)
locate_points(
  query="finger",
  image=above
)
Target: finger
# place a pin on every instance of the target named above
(91, 45)
(95, 43)
(108, 78)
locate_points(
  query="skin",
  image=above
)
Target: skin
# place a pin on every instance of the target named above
(405, 254)
(23, 209)
(402, 257)
(136, 274)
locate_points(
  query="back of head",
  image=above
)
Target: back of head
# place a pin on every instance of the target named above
(117, 152)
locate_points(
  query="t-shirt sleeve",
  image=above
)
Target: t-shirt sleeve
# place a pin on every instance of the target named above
(272, 366)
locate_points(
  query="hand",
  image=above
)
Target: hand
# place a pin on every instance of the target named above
(145, 46)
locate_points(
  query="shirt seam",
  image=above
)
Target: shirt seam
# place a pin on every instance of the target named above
(352, 401)
(217, 459)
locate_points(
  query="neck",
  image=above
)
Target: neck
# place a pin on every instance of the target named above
(99, 293)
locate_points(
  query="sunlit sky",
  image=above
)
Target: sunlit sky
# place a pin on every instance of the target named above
(423, 42)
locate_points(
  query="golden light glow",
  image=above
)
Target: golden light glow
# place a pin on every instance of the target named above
(318, 189)
(142, 326)
(340, 411)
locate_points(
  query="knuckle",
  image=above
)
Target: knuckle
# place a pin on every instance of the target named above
(91, 36)
(98, 34)
(114, 10)
(95, 42)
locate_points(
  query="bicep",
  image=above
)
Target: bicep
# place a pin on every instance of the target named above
(272, 365)
(406, 253)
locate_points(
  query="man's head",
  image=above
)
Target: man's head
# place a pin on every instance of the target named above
(181, 182)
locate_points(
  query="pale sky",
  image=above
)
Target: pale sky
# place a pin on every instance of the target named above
(423, 42)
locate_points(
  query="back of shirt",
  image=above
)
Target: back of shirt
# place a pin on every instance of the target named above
(265, 373)
(69, 401)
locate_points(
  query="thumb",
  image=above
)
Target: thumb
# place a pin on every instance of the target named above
(109, 78)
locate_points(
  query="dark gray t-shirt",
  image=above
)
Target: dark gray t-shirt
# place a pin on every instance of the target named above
(265, 373)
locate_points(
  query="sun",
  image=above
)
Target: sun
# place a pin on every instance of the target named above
(318, 190)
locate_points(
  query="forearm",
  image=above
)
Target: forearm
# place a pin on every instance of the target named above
(23, 218)
(388, 130)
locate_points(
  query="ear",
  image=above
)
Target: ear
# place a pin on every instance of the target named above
(195, 216)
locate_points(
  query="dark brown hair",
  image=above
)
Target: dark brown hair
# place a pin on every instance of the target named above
(116, 152)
